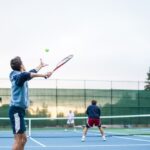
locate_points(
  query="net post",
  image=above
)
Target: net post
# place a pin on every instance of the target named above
(29, 127)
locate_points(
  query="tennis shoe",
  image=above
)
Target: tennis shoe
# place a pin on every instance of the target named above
(83, 139)
(104, 138)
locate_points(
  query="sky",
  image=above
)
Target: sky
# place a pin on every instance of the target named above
(110, 39)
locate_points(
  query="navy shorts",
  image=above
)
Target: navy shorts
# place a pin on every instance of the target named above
(16, 115)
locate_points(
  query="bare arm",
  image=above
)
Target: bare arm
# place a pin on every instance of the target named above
(45, 75)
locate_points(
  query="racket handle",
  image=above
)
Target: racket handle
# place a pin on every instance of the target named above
(51, 75)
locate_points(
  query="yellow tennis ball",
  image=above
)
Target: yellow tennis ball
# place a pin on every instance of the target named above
(46, 50)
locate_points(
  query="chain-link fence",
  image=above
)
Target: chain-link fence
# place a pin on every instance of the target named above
(57, 97)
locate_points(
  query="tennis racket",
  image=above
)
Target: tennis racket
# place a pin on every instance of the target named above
(62, 62)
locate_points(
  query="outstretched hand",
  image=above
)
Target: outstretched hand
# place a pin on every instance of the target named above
(42, 64)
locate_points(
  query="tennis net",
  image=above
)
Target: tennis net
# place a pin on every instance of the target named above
(123, 125)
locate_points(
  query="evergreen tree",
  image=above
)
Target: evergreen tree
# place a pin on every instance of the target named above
(147, 86)
(0, 101)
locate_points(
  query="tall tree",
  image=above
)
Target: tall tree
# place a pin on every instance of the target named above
(147, 86)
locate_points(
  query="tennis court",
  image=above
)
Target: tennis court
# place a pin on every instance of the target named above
(72, 140)
(117, 137)
(74, 52)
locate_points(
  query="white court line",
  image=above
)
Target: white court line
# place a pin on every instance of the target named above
(84, 146)
(134, 139)
(37, 142)
(109, 145)
(128, 138)
(146, 136)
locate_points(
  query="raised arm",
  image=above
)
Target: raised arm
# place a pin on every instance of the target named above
(41, 65)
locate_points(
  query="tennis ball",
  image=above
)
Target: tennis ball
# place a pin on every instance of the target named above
(46, 50)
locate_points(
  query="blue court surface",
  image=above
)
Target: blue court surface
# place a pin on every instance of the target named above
(72, 141)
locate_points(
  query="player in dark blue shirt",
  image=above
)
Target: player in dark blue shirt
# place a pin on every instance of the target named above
(94, 113)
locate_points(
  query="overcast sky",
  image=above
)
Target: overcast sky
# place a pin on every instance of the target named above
(110, 39)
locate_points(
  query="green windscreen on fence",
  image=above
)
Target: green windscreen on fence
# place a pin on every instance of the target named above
(114, 98)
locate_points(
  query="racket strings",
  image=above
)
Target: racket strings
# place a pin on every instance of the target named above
(63, 61)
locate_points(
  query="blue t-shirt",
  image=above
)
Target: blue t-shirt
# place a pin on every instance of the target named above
(93, 111)
(19, 88)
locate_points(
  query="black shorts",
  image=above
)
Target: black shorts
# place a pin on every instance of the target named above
(16, 115)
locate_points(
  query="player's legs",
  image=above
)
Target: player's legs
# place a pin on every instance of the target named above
(19, 141)
(84, 133)
(73, 125)
(70, 124)
(90, 123)
(98, 124)
(85, 130)
(66, 127)
(16, 115)
(102, 133)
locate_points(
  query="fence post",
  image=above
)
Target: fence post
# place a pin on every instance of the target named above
(111, 94)
(84, 94)
(138, 101)
(56, 98)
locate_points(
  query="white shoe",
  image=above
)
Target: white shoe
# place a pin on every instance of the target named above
(104, 138)
(83, 138)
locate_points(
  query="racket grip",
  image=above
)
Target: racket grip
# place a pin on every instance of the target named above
(51, 74)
